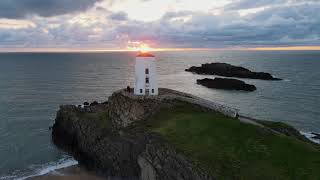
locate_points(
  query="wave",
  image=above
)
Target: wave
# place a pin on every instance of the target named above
(39, 170)
(310, 136)
(286, 80)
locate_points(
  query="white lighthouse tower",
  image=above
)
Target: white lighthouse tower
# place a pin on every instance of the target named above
(146, 75)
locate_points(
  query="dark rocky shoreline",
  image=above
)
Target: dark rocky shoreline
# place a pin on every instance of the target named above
(226, 83)
(227, 70)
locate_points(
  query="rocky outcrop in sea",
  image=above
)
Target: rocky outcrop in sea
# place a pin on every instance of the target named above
(226, 83)
(228, 70)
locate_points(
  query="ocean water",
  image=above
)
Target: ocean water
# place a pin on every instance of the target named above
(33, 85)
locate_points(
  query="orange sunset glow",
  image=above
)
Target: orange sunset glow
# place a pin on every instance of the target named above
(139, 46)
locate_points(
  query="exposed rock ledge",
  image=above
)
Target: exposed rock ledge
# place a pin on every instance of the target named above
(106, 137)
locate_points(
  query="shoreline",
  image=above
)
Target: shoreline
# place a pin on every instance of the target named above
(70, 169)
(74, 172)
(310, 136)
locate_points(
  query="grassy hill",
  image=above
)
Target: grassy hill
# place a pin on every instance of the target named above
(229, 149)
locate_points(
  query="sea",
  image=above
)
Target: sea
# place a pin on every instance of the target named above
(33, 85)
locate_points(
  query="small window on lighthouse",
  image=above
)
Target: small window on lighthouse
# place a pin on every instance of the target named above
(147, 71)
(152, 91)
(147, 80)
(140, 90)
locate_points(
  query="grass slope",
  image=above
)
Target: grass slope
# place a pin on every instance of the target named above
(229, 149)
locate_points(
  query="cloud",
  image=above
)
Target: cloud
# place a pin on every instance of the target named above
(295, 22)
(16, 9)
(119, 16)
(248, 4)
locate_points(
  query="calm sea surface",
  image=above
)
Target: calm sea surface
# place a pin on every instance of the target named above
(33, 85)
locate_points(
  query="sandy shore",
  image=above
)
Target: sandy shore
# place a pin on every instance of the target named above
(69, 173)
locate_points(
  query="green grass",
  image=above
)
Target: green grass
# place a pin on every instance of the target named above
(229, 149)
(104, 119)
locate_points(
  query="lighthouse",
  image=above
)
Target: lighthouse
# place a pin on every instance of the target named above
(145, 75)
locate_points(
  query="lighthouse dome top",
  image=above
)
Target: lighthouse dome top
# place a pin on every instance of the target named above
(145, 54)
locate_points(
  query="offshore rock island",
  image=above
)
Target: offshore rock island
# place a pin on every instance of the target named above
(175, 135)
(226, 83)
(224, 69)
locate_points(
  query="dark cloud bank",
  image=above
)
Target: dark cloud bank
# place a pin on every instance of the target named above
(16, 9)
(280, 24)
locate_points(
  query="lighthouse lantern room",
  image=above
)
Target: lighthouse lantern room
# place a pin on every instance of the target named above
(145, 75)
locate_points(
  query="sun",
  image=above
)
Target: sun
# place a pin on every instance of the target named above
(144, 48)
(139, 46)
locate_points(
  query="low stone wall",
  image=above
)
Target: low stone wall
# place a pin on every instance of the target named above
(168, 94)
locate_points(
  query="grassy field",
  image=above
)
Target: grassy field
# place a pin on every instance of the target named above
(229, 149)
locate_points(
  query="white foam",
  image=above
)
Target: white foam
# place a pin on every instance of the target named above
(50, 167)
(310, 136)
(45, 169)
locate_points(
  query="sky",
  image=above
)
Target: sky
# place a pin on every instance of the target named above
(130, 24)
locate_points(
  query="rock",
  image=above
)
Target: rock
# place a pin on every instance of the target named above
(161, 161)
(94, 103)
(124, 110)
(224, 69)
(86, 104)
(224, 83)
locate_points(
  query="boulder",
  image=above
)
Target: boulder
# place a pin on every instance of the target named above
(225, 83)
(224, 69)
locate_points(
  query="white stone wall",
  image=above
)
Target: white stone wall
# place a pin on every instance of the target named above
(143, 63)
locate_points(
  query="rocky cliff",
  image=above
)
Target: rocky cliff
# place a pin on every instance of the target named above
(180, 137)
(112, 139)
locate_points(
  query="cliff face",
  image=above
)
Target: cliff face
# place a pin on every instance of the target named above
(124, 110)
(111, 139)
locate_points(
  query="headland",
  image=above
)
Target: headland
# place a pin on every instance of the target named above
(180, 136)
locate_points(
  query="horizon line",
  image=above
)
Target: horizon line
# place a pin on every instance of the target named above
(85, 50)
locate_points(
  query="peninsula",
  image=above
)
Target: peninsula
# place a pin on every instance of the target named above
(175, 135)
